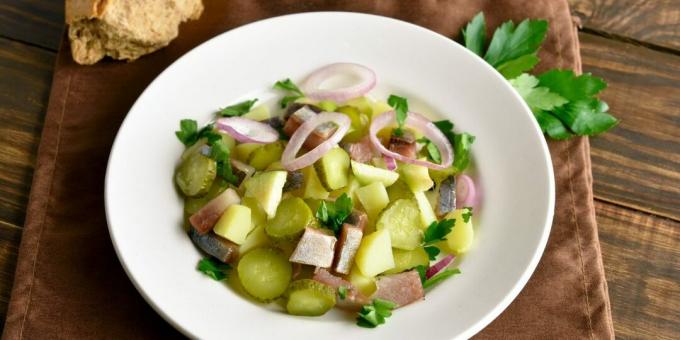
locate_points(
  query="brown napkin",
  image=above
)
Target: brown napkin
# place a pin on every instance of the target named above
(69, 283)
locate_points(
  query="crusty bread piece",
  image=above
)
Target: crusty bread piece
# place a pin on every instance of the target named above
(124, 29)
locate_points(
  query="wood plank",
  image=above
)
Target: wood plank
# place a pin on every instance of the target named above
(637, 164)
(33, 21)
(654, 22)
(24, 90)
(10, 236)
(641, 255)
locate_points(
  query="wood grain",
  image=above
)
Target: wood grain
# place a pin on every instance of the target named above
(637, 164)
(10, 236)
(24, 89)
(654, 22)
(641, 255)
(35, 22)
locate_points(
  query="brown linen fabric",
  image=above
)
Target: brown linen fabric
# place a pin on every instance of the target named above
(69, 283)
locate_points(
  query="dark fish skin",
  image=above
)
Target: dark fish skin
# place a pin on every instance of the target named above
(218, 247)
(358, 219)
(241, 170)
(447, 196)
(404, 145)
(348, 244)
(294, 181)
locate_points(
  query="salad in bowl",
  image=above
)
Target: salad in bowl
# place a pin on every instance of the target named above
(336, 200)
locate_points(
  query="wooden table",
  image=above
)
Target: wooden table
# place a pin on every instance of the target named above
(633, 44)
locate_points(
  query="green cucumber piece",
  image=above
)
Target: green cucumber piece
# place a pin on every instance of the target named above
(367, 174)
(262, 157)
(408, 259)
(402, 220)
(195, 175)
(265, 273)
(309, 298)
(292, 216)
(333, 169)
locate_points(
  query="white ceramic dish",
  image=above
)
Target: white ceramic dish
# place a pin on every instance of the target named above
(144, 211)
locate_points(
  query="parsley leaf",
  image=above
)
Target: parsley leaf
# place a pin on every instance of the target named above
(510, 43)
(514, 68)
(213, 268)
(237, 109)
(437, 231)
(536, 97)
(441, 276)
(570, 86)
(400, 106)
(373, 314)
(422, 270)
(342, 292)
(432, 151)
(333, 214)
(289, 86)
(586, 117)
(220, 153)
(474, 34)
(467, 214)
(461, 142)
(188, 132)
(432, 252)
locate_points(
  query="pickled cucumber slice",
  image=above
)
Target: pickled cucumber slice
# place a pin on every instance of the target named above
(292, 216)
(309, 298)
(407, 259)
(262, 157)
(265, 273)
(333, 169)
(195, 175)
(402, 220)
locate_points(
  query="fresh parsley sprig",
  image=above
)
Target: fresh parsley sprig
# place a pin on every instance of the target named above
(373, 314)
(213, 268)
(461, 142)
(431, 149)
(441, 276)
(221, 154)
(564, 104)
(189, 133)
(434, 233)
(238, 109)
(400, 106)
(333, 214)
(290, 87)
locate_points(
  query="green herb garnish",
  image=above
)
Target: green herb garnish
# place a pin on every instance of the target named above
(289, 86)
(437, 231)
(431, 149)
(563, 103)
(461, 142)
(213, 268)
(237, 109)
(467, 214)
(373, 314)
(432, 252)
(400, 106)
(189, 134)
(333, 214)
(342, 292)
(220, 153)
(441, 276)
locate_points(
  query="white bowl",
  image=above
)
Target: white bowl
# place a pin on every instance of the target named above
(144, 211)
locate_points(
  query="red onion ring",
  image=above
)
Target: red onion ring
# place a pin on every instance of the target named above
(288, 160)
(311, 85)
(421, 123)
(439, 266)
(247, 130)
(465, 191)
(390, 163)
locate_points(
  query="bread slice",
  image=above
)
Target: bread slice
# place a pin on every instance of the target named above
(124, 29)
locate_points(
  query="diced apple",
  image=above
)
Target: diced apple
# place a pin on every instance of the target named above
(373, 198)
(267, 188)
(427, 215)
(367, 174)
(312, 187)
(257, 215)
(416, 177)
(256, 239)
(234, 224)
(375, 254)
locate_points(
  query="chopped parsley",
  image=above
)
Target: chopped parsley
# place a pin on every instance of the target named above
(290, 87)
(333, 214)
(434, 233)
(431, 149)
(467, 214)
(213, 268)
(374, 314)
(342, 292)
(400, 106)
(220, 153)
(237, 109)
(461, 142)
(439, 277)
(432, 252)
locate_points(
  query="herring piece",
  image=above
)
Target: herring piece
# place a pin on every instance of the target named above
(358, 219)
(447, 196)
(315, 248)
(353, 300)
(348, 244)
(402, 289)
(361, 151)
(206, 217)
(218, 247)
(318, 136)
(294, 181)
(404, 145)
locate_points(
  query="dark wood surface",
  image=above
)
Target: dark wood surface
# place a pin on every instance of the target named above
(633, 44)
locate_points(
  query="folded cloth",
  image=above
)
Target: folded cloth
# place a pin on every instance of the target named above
(69, 283)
